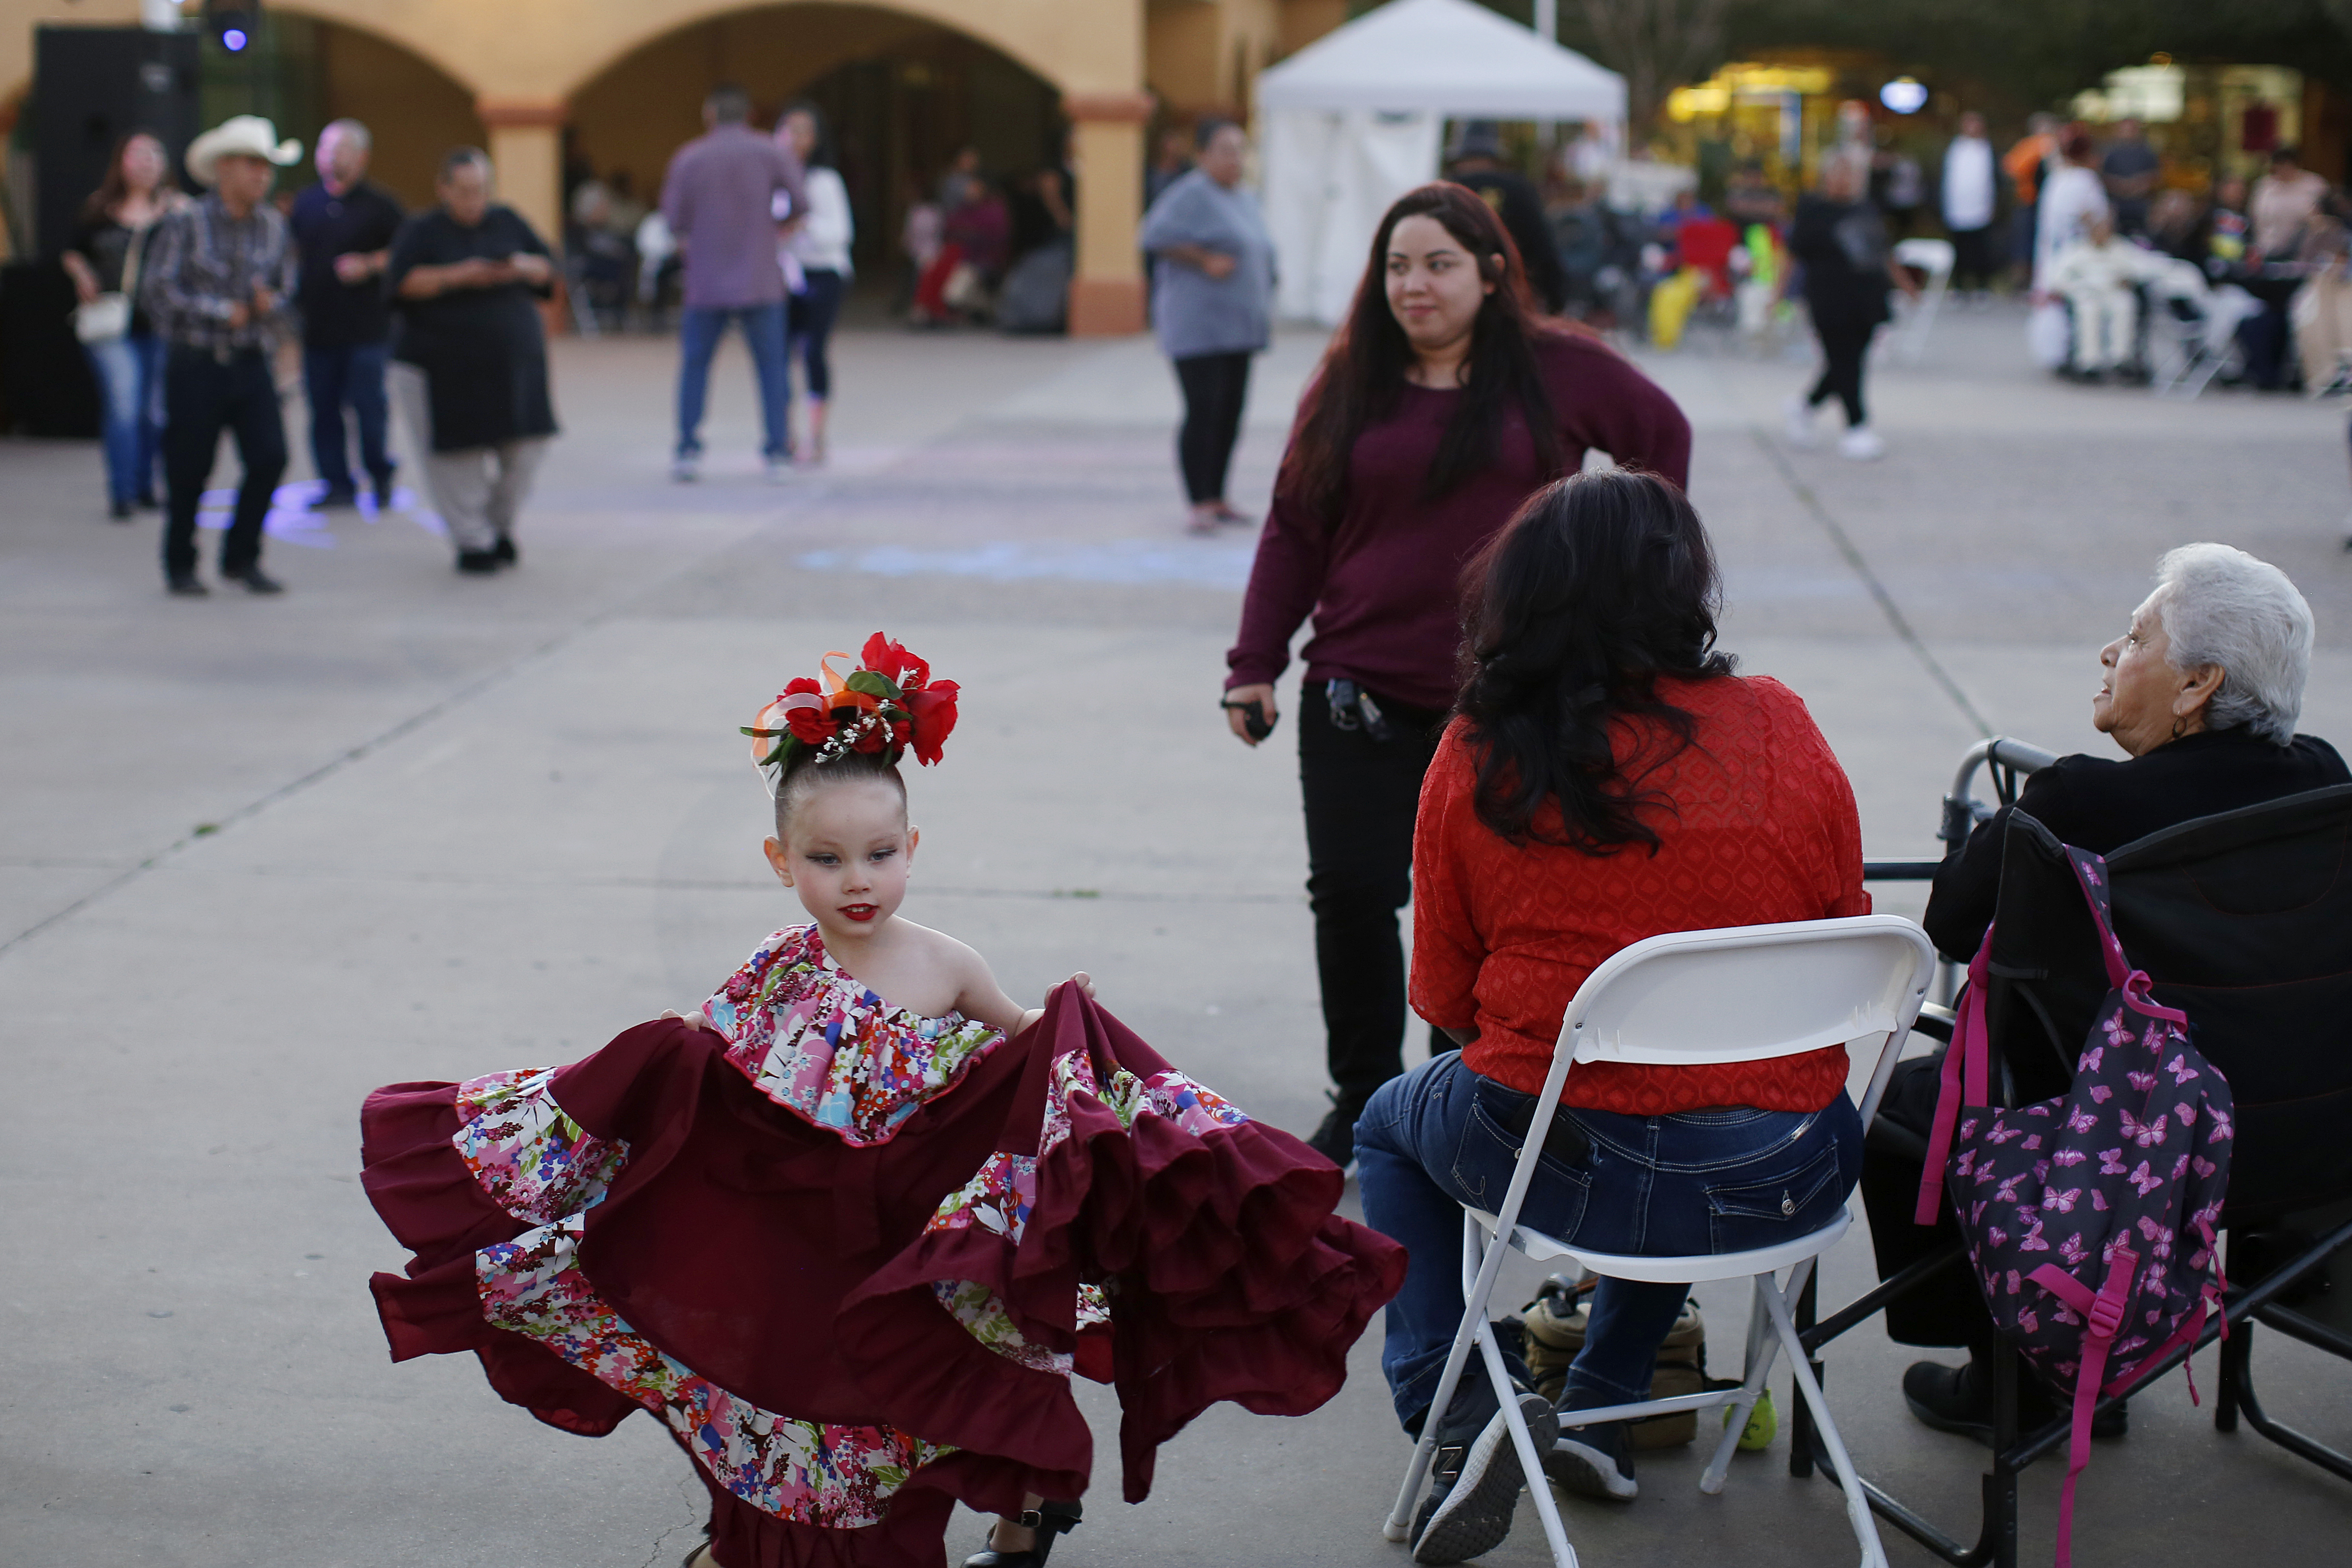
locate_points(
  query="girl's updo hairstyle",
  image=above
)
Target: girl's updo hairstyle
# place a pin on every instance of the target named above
(1602, 583)
(808, 772)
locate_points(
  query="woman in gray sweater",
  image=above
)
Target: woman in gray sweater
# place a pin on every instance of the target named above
(1212, 306)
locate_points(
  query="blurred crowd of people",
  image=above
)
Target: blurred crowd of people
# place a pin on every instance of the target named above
(185, 304)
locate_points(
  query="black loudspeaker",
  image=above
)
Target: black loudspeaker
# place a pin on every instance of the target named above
(91, 87)
(45, 385)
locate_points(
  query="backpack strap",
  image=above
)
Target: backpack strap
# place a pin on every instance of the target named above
(1963, 1084)
(2103, 1314)
(2091, 875)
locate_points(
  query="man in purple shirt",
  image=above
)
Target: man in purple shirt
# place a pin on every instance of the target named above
(725, 196)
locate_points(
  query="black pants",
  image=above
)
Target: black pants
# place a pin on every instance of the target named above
(1947, 1310)
(203, 396)
(808, 328)
(1215, 387)
(1844, 346)
(1973, 262)
(1361, 796)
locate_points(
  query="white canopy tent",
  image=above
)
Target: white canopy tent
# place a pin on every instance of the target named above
(1353, 121)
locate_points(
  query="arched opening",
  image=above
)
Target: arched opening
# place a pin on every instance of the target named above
(903, 94)
(303, 71)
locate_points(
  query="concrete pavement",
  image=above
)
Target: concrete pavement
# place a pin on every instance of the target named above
(263, 855)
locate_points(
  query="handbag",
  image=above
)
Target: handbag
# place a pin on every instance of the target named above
(107, 317)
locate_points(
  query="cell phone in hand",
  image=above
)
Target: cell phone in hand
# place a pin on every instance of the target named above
(1253, 718)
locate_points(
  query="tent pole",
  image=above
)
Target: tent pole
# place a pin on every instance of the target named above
(1546, 20)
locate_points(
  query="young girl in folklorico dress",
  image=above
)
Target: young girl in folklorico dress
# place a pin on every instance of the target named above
(850, 1250)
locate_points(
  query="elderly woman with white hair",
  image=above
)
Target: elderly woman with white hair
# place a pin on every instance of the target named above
(2202, 691)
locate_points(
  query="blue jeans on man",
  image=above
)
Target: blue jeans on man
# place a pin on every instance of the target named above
(352, 375)
(129, 371)
(1724, 1179)
(699, 329)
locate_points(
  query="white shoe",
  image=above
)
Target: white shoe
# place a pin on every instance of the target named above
(779, 470)
(1862, 443)
(1799, 415)
(686, 467)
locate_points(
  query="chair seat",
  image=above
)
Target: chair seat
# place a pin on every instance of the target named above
(1679, 1270)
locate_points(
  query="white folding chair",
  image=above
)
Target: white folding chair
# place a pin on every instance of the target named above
(1687, 999)
(1934, 257)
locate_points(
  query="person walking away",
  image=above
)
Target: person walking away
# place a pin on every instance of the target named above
(2130, 171)
(1441, 403)
(1212, 308)
(469, 362)
(1969, 195)
(1841, 240)
(2283, 201)
(343, 229)
(2071, 197)
(818, 249)
(2278, 212)
(104, 259)
(1896, 189)
(1478, 164)
(218, 283)
(2026, 164)
(719, 197)
(2095, 276)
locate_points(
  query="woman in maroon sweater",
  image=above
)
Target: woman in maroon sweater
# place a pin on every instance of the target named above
(1443, 402)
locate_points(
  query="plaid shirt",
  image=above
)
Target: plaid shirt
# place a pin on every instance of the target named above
(201, 264)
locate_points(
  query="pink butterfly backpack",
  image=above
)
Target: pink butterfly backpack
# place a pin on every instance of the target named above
(2089, 1218)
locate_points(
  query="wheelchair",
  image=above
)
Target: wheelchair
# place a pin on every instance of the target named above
(2239, 918)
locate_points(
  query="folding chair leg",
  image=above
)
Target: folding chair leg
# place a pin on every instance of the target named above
(1563, 1555)
(2237, 1356)
(1762, 1348)
(1857, 1503)
(1482, 1260)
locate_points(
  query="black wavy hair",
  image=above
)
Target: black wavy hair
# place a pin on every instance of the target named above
(1601, 584)
(1363, 376)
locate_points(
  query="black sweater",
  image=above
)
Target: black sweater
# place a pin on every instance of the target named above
(2100, 805)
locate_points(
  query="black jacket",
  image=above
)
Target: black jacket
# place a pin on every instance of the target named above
(2099, 804)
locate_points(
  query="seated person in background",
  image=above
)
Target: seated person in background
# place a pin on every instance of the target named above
(2202, 691)
(2095, 276)
(1607, 778)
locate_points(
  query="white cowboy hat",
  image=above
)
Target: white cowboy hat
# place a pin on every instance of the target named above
(239, 136)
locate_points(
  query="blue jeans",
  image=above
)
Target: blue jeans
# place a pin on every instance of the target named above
(130, 372)
(1720, 1179)
(355, 375)
(699, 329)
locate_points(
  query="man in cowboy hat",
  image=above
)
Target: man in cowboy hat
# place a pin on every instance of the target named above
(218, 283)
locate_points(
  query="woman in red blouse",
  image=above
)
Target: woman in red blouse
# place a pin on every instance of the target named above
(1606, 778)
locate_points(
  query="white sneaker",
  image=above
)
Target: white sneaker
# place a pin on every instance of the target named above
(779, 470)
(1862, 443)
(686, 467)
(1799, 418)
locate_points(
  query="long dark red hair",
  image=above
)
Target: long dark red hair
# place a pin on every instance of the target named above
(1363, 371)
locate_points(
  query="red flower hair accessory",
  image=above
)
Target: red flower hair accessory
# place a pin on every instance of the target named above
(889, 703)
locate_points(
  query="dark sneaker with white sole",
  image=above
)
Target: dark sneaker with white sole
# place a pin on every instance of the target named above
(1594, 1461)
(1476, 1485)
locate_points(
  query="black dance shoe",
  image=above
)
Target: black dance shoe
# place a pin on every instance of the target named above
(478, 562)
(1049, 1520)
(505, 550)
(1959, 1399)
(185, 585)
(255, 579)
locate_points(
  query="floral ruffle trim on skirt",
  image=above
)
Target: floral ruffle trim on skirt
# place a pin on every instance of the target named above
(458, 1170)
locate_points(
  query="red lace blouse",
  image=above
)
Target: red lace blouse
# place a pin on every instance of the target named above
(1763, 828)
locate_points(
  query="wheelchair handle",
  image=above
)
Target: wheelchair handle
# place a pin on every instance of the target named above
(1960, 806)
